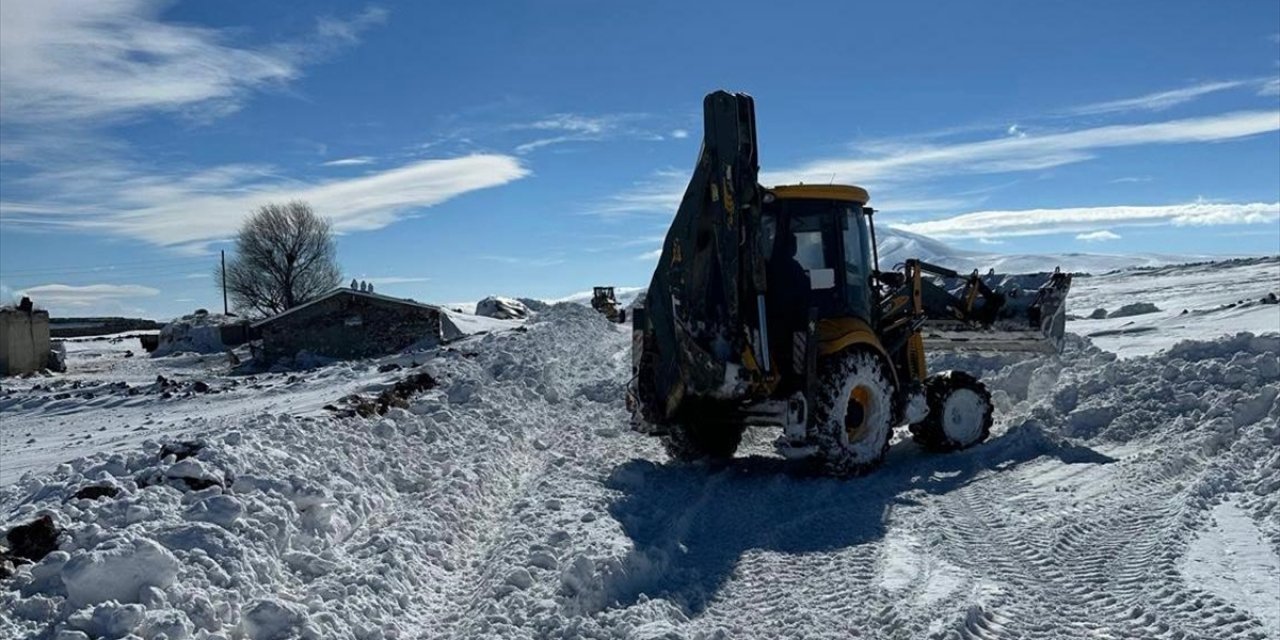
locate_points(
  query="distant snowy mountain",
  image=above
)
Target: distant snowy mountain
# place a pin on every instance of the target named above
(897, 245)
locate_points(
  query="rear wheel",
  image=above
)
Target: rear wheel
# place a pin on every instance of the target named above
(959, 413)
(853, 414)
(687, 443)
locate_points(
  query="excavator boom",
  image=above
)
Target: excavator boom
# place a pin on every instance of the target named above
(701, 312)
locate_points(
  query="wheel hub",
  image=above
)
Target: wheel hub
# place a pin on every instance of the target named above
(963, 416)
(855, 419)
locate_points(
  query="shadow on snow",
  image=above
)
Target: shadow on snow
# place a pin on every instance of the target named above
(689, 524)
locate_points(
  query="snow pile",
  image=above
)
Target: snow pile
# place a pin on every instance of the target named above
(456, 325)
(502, 308)
(276, 526)
(511, 501)
(200, 332)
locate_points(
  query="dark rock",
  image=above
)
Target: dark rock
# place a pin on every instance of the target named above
(199, 386)
(180, 450)
(34, 540)
(93, 492)
(128, 354)
(390, 366)
(196, 484)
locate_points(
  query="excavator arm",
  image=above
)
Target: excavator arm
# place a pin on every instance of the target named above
(700, 330)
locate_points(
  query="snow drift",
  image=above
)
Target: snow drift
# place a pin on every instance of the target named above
(200, 332)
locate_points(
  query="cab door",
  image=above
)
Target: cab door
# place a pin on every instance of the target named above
(818, 239)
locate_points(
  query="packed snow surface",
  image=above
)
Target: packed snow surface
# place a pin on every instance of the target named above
(1134, 497)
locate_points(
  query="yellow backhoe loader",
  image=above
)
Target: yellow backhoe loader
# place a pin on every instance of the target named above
(768, 308)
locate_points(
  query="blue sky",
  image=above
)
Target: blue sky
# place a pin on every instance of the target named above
(540, 148)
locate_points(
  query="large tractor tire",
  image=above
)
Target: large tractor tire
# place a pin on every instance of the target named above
(852, 419)
(687, 443)
(959, 413)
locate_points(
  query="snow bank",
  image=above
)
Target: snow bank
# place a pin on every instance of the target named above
(200, 332)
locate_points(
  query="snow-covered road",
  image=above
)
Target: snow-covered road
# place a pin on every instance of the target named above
(1117, 498)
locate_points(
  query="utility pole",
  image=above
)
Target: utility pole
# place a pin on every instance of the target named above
(225, 310)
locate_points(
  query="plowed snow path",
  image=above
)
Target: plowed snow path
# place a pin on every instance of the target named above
(513, 502)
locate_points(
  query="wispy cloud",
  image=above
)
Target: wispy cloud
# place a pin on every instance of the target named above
(64, 295)
(393, 280)
(1101, 235)
(564, 128)
(349, 162)
(1158, 101)
(899, 163)
(96, 62)
(568, 127)
(1087, 220)
(650, 255)
(1128, 179)
(527, 261)
(190, 210)
(680, 134)
(661, 194)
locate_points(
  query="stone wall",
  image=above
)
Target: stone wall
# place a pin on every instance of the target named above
(349, 325)
(24, 341)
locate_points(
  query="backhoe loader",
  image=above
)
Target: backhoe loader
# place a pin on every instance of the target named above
(768, 308)
(606, 303)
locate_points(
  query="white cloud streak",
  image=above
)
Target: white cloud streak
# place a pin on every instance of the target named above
(1158, 101)
(189, 211)
(349, 162)
(1087, 220)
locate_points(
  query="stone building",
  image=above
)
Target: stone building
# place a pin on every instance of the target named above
(349, 323)
(24, 339)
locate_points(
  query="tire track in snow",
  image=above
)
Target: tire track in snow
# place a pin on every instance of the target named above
(1108, 570)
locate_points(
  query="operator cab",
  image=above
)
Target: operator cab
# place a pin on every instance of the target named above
(833, 244)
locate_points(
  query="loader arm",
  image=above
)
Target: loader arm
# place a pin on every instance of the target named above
(700, 323)
(966, 312)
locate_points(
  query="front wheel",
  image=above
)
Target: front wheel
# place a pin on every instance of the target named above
(853, 414)
(959, 413)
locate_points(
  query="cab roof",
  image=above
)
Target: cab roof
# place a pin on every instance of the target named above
(847, 193)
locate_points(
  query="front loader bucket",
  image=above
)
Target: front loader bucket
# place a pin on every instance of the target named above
(1031, 318)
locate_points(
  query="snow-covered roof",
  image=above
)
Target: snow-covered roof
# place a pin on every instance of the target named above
(346, 291)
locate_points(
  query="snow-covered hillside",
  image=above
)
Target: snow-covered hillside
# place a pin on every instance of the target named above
(1131, 497)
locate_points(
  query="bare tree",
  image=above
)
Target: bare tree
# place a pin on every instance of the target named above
(285, 256)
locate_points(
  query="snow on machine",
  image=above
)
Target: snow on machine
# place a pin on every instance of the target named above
(768, 308)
